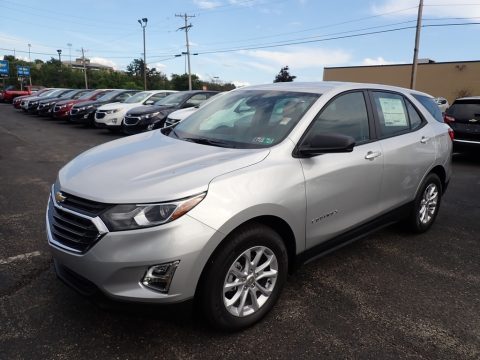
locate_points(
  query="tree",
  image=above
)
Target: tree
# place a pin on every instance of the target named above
(284, 75)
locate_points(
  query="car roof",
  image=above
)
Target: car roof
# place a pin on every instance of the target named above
(469, 98)
(321, 87)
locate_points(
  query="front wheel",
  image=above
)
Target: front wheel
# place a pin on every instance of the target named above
(244, 278)
(427, 204)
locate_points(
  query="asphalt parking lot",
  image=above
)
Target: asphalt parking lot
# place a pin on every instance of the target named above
(391, 295)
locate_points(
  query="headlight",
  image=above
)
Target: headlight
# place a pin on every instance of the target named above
(129, 217)
(148, 116)
(113, 111)
(85, 108)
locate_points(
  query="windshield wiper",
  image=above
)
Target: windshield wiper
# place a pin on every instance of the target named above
(206, 141)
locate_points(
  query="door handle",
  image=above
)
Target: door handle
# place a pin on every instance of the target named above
(372, 155)
(424, 139)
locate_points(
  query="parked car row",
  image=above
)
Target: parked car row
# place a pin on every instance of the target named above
(118, 110)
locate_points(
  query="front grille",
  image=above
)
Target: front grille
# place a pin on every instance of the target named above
(72, 231)
(56, 108)
(131, 120)
(99, 115)
(73, 111)
(88, 207)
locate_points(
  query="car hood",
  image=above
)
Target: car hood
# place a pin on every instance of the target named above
(47, 99)
(90, 102)
(118, 105)
(150, 167)
(182, 113)
(147, 109)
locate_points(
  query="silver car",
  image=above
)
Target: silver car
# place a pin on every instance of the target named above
(224, 205)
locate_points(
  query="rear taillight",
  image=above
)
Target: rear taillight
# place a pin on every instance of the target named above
(451, 134)
(448, 119)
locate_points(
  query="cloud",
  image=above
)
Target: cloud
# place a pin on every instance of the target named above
(206, 4)
(301, 57)
(449, 8)
(103, 61)
(159, 66)
(240, 83)
(377, 61)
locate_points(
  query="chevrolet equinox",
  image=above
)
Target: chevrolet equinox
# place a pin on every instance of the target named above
(222, 206)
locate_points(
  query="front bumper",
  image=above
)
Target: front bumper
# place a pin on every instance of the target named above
(104, 120)
(82, 117)
(116, 264)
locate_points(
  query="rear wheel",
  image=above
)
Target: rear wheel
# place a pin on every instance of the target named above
(244, 278)
(427, 204)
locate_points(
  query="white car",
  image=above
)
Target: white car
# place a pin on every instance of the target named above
(442, 103)
(179, 115)
(110, 116)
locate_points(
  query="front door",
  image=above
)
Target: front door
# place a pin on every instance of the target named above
(342, 189)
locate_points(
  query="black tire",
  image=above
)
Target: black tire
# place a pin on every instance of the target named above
(415, 220)
(211, 291)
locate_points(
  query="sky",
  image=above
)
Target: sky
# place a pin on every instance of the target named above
(245, 42)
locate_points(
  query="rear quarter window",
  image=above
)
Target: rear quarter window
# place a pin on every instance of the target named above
(431, 106)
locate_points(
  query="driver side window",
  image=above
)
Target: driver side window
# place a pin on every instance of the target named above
(347, 115)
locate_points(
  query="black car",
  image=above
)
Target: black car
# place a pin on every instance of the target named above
(84, 113)
(145, 118)
(464, 118)
(31, 105)
(45, 106)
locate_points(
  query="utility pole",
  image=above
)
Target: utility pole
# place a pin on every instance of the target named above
(186, 28)
(70, 53)
(417, 44)
(143, 24)
(29, 46)
(84, 68)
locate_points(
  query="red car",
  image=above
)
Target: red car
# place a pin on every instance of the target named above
(9, 95)
(62, 108)
(16, 102)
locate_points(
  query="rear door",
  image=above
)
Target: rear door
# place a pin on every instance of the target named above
(408, 147)
(342, 189)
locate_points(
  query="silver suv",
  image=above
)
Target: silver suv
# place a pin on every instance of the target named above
(221, 207)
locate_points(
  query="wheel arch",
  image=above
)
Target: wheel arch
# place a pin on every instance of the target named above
(274, 222)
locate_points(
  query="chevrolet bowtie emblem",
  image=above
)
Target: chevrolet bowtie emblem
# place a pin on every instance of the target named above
(59, 197)
(473, 120)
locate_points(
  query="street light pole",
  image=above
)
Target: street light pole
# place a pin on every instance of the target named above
(59, 51)
(143, 24)
(29, 46)
(417, 44)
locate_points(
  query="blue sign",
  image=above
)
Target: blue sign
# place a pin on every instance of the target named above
(23, 71)
(4, 69)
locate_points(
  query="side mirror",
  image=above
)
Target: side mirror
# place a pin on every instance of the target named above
(149, 102)
(325, 144)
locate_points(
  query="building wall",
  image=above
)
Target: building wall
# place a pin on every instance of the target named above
(450, 80)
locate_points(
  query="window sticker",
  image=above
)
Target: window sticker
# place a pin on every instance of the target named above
(393, 112)
(263, 140)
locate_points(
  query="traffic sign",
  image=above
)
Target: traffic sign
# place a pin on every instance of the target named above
(4, 68)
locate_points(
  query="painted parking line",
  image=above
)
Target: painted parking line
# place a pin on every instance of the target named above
(19, 257)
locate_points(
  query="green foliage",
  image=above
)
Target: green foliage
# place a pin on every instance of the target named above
(284, 75)
(52, 73)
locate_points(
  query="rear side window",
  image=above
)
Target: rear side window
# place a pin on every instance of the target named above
(465, 109)
(430, 105)
(391, 113)
(415, 119)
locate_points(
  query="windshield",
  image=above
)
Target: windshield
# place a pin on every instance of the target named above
(174, 99)
(246, 119)
(137, 98)
(69, 94)
(108, 96)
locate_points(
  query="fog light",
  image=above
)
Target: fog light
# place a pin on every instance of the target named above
(159, 277)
